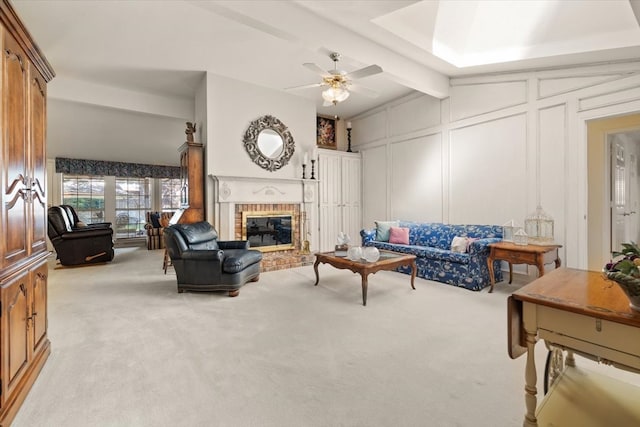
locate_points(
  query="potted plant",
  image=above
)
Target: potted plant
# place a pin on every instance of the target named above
(625, 271)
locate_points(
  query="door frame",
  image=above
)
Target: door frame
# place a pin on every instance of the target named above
(598, 182)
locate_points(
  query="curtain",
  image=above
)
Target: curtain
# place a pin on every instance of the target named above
(120, 169)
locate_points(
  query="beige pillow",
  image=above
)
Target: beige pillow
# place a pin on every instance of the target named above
(459, 244)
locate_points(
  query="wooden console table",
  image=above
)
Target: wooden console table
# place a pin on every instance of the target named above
(521, 254)
(576, 311)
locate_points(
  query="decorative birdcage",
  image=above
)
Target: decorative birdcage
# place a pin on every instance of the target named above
(508, 230)
(520, 237)
(539, 227)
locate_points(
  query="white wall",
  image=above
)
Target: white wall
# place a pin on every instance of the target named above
(493, 150)
(232, 105)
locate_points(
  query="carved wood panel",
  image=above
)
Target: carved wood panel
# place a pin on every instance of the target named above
(15, 342)
(37, 143)
(14, 155)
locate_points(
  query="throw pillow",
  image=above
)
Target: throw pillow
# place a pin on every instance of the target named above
(382, 230)
(459, 244)
(399, 235)
(155, 219)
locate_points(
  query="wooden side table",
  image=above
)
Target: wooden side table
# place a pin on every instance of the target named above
(522, 254)
(579, 312)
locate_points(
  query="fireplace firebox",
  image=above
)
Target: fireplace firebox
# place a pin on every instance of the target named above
(269, 231)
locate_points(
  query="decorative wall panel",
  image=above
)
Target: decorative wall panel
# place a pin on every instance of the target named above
(370, 128)
(419, 113)
(473, 100)
(374, 188)
(416, 179)
(555, 86)
(552, 174)
(488, 172)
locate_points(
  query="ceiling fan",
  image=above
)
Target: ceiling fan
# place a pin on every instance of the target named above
(339, 82)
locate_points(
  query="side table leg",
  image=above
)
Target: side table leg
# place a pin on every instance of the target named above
(364, 289)
(540, 265)
(315, 268)
(510, 273)
(492, 279)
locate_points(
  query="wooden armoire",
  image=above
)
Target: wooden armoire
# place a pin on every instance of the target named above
(192, 179)
(24, 345)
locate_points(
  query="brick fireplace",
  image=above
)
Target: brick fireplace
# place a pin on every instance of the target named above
(235, 195)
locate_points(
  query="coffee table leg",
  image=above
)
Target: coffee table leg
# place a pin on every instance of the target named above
(364, 289)
(413, 273)
(315, 268)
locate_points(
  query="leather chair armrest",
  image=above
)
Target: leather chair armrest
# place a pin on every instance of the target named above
(87, 233)
(204, 255)
(233, 244)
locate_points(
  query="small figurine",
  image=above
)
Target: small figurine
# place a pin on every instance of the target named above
(191, 129)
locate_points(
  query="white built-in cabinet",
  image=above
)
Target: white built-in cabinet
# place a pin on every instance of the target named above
(340, 196)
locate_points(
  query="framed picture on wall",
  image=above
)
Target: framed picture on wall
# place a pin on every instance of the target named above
(326, 132)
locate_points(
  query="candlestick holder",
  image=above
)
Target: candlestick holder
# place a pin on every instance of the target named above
(313, 164)
(304, 174)
(349, 140)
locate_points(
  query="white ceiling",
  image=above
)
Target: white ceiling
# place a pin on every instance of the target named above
(164, 47)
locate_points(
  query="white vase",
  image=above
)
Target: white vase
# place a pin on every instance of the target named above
(371, 253)
(354, 253)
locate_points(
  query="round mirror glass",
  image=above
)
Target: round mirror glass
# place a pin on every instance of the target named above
(270, 143)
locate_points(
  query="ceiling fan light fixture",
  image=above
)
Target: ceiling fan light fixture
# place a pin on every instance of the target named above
(335, 94)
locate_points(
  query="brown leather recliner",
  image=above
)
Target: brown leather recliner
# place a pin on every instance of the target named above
(204, 263)
(76, 246)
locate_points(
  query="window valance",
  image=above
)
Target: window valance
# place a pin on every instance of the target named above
(120, 169)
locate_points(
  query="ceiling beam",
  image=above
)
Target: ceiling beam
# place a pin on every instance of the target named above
(299, 25)
(113, 97)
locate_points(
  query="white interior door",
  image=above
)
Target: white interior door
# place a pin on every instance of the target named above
(625, 221)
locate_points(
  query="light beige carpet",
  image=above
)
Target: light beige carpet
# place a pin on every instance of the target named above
(128, 350)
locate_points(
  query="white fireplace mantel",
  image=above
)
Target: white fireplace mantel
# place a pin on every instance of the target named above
(231, 190)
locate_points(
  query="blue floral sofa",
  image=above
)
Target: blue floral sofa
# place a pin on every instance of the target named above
(435, 259)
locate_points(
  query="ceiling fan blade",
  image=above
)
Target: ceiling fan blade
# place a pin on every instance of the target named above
(363, 90)
(304, 86)
(364, 72)
(313, 67)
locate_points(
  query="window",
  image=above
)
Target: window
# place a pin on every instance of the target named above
(170, 194)
(133, 200)
(124, 202)
(86, 195)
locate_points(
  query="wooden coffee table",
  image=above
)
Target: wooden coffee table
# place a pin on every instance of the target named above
(388, 261)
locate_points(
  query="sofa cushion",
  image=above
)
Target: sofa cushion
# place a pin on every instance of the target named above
(399, 235)
(383, 228)
(197, 232)
(459, 244)
(236, 260)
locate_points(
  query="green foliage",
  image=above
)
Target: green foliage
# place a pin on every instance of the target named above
(629, 264)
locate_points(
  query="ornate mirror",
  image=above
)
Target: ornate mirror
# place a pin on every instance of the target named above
(269, 143)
